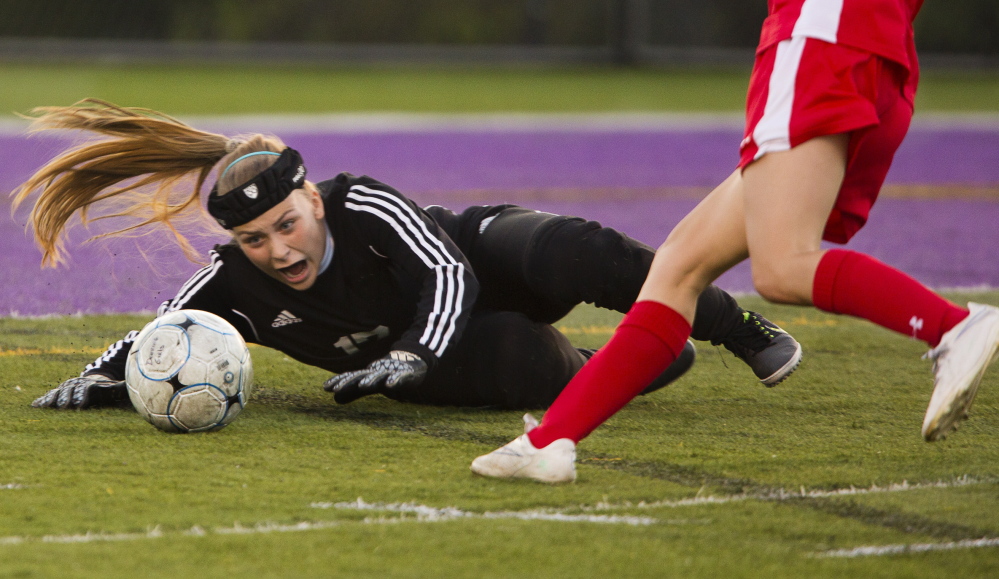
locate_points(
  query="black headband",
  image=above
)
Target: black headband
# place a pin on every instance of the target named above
(258, 195)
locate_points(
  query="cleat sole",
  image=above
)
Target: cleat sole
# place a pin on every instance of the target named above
(959, 409)
(785, 371)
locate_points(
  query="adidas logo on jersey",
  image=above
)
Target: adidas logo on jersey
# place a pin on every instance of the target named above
(285, 318)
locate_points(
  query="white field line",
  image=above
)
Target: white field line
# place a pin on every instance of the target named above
(12, 487)
(433, 514)
(89, 537)
(784, 495)
(156, 532)
(412, 512)
(880, 550)
(426, 513)
(263, 528)
(423, 514)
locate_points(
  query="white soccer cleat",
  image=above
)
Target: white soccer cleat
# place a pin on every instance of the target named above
(960, 361)
(554, 463)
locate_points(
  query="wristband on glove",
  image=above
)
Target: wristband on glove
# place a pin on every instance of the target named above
(93, 391)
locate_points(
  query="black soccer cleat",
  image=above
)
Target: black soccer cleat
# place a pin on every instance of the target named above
(770, 351)
(678, 368)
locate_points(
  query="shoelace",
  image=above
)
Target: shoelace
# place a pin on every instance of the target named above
(751, 337)
(935, 354)
(764, 328)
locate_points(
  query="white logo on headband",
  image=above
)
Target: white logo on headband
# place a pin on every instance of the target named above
(298, 174)
(251, 191)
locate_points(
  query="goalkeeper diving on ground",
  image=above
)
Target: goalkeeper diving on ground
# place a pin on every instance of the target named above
(422, 305)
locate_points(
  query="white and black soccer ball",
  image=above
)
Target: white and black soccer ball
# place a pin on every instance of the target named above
(189, 371)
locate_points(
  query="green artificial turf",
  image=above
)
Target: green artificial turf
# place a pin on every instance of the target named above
(712, 476)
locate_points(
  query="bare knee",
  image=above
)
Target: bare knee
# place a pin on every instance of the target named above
(776, 282)
(677, 278)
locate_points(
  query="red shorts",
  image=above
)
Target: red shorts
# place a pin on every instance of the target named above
(802, 88)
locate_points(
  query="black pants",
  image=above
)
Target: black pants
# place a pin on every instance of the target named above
(533, 269)
(504, 360)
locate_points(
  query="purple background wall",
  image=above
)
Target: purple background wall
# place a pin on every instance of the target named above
(622, 178)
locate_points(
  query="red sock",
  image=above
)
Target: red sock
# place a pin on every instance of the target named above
(847, 282)
(648, 340)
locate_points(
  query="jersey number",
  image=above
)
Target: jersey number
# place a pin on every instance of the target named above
(351, 344)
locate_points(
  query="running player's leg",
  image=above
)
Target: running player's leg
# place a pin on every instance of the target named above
(790, 267)
(787, 192)
(788, 197)
(786, 225)
(652, 335)
(709, 240)
(784, 229)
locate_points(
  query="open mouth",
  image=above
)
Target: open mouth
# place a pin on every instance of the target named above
(295, 272)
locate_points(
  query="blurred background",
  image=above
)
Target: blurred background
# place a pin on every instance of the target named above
(589, 31)
(622, 111)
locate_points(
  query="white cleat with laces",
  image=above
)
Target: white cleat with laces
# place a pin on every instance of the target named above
(555, 463)
(959, 362)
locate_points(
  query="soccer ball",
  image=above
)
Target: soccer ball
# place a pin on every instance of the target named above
(189, 371)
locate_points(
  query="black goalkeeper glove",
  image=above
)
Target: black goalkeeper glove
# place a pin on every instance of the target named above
(94, 391)
(397, 370)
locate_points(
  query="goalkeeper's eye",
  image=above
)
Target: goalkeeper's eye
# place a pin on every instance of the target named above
(250, 240)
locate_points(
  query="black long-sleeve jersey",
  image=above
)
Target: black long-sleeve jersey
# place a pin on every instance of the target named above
(397, 281)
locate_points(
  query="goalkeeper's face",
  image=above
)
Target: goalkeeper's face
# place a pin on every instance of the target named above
(289, 241)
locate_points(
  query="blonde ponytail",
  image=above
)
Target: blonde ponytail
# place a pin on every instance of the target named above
(142, 165)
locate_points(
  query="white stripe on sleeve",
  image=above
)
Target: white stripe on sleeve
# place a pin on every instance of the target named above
(111, 352)
(191, 286)
(449, 272)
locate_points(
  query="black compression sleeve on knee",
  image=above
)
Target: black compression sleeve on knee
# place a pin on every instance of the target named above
(577, 261)
(716, 316)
